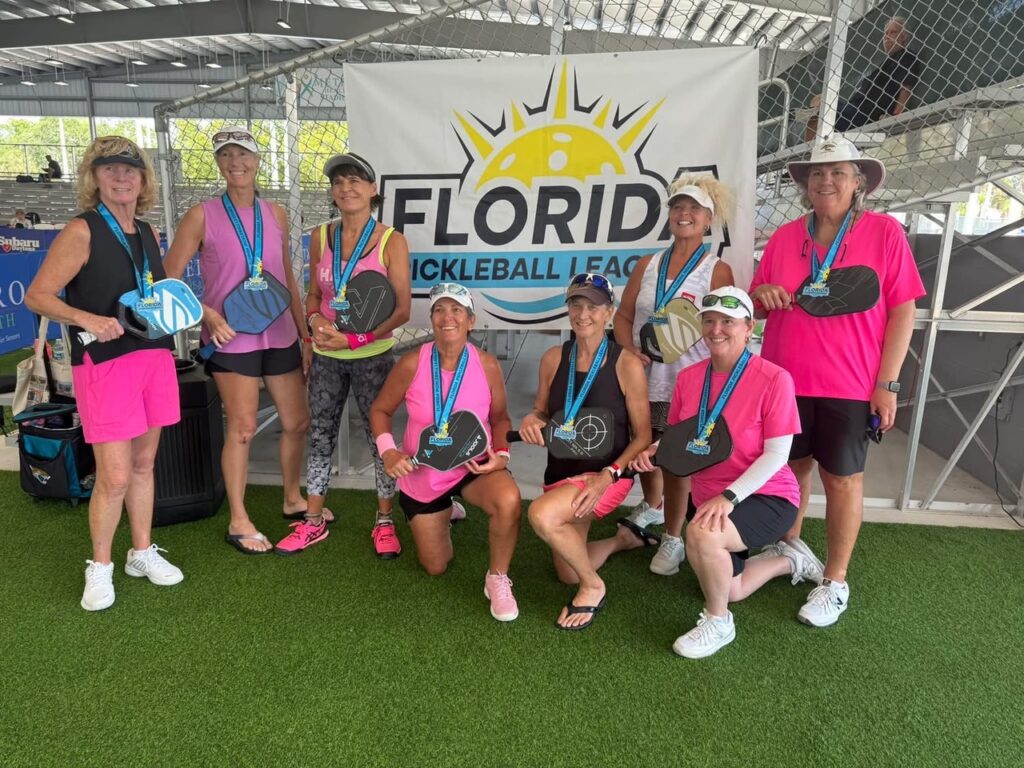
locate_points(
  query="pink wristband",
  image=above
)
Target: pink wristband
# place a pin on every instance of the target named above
(357, 340)
(385, 442)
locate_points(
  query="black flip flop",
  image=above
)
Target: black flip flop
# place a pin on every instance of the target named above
(236, 539)
(649, 539)
(593, 610)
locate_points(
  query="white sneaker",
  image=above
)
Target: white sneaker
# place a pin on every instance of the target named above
(825, 604)
(643, 515)
(99, 586)
(151, 564)
(769, 550)
(806, 565)
(458, 512)
(710, 634)
(671, 552)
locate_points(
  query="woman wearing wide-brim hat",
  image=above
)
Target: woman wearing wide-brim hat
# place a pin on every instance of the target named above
(838, 287)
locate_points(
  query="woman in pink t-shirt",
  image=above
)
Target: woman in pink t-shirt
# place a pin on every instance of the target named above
(842, 340)
(435, 382)
(243, 239)
(746, 497)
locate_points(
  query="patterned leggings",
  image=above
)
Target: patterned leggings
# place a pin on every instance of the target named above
(330, 380)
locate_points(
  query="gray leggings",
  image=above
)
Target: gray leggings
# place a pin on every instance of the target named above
(330, 380)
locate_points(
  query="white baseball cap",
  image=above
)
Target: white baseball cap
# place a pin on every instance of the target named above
(712, 302)
(679, 188)
(458, 293)
(235, 134)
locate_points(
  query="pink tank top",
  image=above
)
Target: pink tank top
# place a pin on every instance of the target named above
(223, 267)
(373, 261)
(426, 484)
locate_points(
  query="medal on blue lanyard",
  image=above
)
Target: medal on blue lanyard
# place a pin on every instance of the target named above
(567, 431)
(253, 251)
(820, 272)
(143, 279)
(340, 302)
(705, 421)
(662, 296)
(443, 412)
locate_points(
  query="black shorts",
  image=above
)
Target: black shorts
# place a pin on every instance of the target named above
(834, 432)
(411, 507)
(760, 520)
(258, 363)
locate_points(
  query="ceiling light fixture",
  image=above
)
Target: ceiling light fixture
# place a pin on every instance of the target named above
(26, 79)
(66, 19)
(130, 74)
(282, 20)
(69, 17)
(58, 75)
(214, 64)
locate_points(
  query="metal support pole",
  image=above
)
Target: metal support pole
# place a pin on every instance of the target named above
(833, 67)
(930, 334)
(163, 158)
(90, 110)
(559, 22)
(294, 159)
(990, 401)
(991, 293)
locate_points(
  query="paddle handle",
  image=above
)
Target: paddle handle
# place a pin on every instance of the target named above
(512, 436)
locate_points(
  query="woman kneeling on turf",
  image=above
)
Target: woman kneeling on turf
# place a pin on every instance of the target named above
(584, 374)
(438, 381)
(748, 496)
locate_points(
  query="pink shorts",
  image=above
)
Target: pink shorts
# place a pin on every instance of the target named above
(124, 398)
(612, 499)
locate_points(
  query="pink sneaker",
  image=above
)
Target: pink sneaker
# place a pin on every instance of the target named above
(304, 534)
(385, 540)
(498, 589)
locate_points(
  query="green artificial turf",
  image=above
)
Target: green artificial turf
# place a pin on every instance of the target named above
(335, 658)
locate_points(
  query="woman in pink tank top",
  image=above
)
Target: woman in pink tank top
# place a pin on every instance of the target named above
(243, 248)
(437, 382)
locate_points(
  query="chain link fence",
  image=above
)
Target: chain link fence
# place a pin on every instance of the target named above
(933, 88)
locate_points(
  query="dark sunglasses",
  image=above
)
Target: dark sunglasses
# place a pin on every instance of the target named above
(595, 279)
(233, 136)
(729, 302)
(874, 430)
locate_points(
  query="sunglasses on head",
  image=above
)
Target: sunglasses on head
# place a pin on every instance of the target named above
(729, 302)
(595, 279)
(449, 289)
(233, 136)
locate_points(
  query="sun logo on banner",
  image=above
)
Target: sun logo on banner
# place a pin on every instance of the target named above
(561, 138)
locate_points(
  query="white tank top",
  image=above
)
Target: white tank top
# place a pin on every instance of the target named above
(661, 379)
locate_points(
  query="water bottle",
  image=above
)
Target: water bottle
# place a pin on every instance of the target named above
(57, 350)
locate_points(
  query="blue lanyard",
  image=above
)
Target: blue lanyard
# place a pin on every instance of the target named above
(341, 280)
(144, 279)
(254, 251)
(661, 296)
(572, 406)
(441, 413)
(819, 272)
(705, 422)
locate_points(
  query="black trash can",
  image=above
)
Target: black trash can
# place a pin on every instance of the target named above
(189, 483)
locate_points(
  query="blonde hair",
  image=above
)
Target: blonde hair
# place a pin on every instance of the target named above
(719, 193)
(106, 146)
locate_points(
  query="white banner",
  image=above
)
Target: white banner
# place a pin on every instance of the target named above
(512, 175)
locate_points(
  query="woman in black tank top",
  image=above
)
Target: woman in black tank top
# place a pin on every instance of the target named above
(126, 386)
(594, 394)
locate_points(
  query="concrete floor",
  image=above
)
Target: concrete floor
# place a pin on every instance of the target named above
(963, 500)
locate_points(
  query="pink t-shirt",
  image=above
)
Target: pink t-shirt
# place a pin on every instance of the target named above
(836, 356)
(222, 264)
(426, 484)
(762, 406)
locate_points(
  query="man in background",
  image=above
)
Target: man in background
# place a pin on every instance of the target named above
(51, 171)
(885, 90)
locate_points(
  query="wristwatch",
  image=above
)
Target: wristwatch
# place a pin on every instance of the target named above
(890, 386)
(730, 497)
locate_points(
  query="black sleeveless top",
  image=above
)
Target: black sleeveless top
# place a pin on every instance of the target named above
(101, 281)
(605, 392)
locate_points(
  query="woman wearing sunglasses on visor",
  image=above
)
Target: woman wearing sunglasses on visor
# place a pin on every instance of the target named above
(594, 395)
(340, 254)
(740, 414)
(663, 293)
(244, 257)
(438, 382)
(838, 288)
